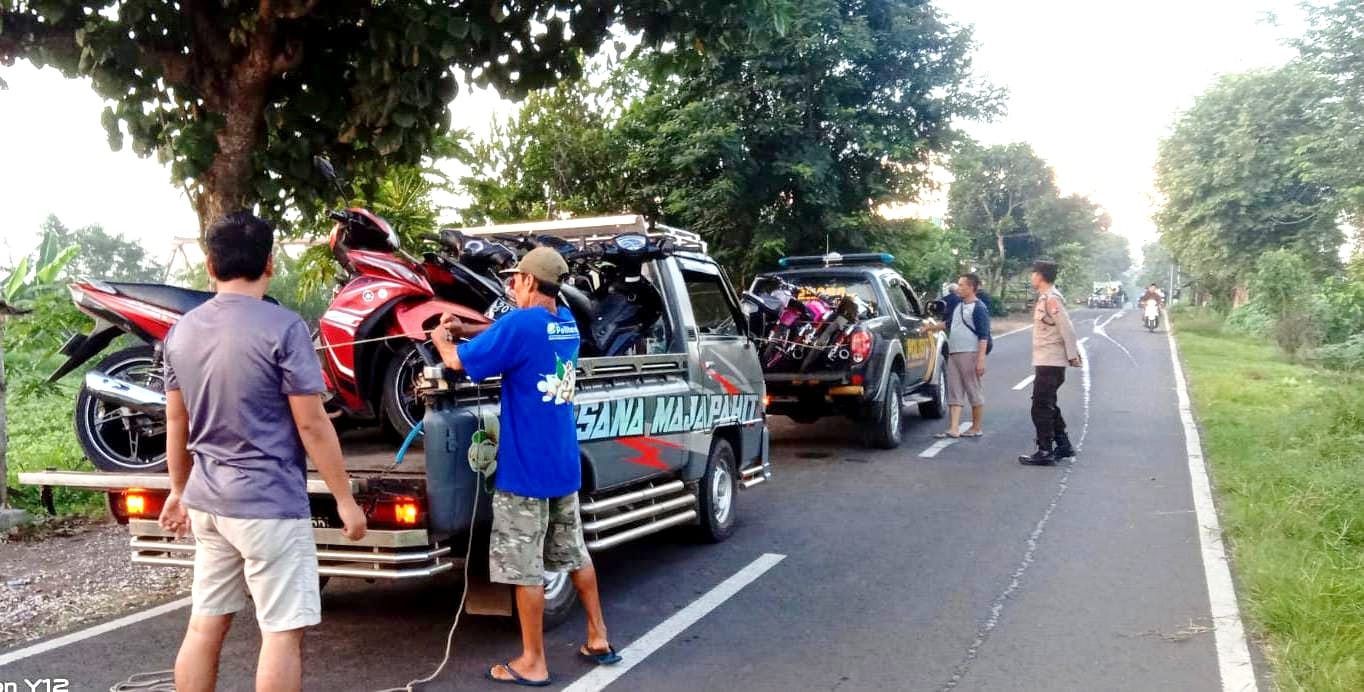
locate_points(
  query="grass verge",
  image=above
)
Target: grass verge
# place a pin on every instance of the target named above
(1286, 447)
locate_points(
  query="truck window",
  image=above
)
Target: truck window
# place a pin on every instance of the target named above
(710, 304)
(914, 306)
(898, 297)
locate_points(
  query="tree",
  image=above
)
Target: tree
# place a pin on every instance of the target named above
(1156, 264)
(1237, 177)
(784, 142)
(995, 194)
(102, 255)
(1334, 48)
(239, 95)
(32, 275)
(1278, 286)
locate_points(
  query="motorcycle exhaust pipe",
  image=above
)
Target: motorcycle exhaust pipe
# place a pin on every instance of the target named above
(124, 393)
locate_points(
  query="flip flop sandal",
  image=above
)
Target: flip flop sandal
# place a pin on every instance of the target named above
(973, 434)
(601, 658)
(945, 436)
(516, 678)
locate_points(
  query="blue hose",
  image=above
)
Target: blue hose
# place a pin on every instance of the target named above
(407, 443)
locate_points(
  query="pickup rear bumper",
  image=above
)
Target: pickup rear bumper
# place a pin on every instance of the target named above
(388, 555)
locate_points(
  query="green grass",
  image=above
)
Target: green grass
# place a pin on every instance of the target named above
(1286, 447)
(42, 435)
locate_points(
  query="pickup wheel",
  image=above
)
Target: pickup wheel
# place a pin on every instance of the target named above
(717, 493)
(885, 432)
(937, 407)
(560, 598)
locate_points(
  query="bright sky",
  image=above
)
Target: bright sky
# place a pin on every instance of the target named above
(1092, 86)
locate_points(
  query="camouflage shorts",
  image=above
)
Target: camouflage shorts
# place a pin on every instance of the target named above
(532, 535)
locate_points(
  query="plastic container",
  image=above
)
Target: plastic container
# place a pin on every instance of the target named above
(450, 483)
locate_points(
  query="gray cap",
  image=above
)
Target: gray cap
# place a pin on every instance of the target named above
(545, 264)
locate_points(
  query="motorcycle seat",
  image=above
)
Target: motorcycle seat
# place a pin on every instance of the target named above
(580, 305)
(173, 298)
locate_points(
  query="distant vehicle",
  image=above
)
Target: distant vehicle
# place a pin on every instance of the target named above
(856, 348)
(1106, 294)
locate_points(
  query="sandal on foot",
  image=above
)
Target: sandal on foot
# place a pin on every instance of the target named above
(516, 678)
(601, 658)
(978, 433)
(945, 436)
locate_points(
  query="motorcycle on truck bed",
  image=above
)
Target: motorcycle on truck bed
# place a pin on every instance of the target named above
(669, 411)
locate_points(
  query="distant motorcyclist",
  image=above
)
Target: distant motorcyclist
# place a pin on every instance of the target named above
(1153, 292)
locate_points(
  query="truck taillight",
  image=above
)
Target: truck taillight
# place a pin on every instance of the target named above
(399, 512)
(861, 345)
(140, 504)
(406, 513)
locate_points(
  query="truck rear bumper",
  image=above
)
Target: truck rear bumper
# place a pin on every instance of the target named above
(388, 555)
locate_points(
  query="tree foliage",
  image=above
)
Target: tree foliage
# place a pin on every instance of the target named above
(1280, 286)
(103, 255)
(781, 143)
(238, 95)
(1334, 49)
(1237, 177)
(1004, 199)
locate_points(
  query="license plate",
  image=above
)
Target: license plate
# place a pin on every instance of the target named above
(500, 307)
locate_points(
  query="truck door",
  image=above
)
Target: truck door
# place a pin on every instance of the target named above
(917, 343)
(725, 365)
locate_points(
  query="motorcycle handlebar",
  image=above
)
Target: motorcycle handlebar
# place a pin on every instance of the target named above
(337, 215)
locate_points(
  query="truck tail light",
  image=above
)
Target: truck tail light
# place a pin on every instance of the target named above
(140, 504)
(406, 513)
(397, 512)
(861, 345)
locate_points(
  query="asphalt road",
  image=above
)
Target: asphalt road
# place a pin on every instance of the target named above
(962, 571)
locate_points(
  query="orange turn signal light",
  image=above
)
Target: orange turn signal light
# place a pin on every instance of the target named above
(406, 513)
(135, 504)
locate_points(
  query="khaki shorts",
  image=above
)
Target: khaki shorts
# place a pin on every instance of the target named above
(963, 386)
(533, 535)
(274, 559)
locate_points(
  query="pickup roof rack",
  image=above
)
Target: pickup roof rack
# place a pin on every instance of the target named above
(834, 259)
(590, 229)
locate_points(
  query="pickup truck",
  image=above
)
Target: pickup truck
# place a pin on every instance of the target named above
(886, 361)
(669, 432)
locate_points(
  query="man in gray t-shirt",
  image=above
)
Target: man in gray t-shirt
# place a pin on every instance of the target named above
(243, 413)
(968, 340)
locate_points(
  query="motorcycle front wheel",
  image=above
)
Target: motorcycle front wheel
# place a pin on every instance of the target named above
(116, 438)
(402, 407)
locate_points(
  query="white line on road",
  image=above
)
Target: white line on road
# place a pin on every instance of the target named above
(72, 638)
(1233, 654)
(667, 630)
(946, 442)
(1020, 329)
(1026, 381)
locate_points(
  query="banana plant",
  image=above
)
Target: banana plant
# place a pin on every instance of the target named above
(32, 276)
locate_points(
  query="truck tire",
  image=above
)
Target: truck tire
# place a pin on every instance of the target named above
(119, 440)
(560, 599)
(717, 493)
(885, 431)
(937, 407)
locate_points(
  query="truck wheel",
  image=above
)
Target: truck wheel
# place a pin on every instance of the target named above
(116, 438)
(938, 390)
(717, 493)
(885, 432)
(560, 598)
(402, 407)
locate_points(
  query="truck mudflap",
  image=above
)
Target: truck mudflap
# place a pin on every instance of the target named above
(381, 554)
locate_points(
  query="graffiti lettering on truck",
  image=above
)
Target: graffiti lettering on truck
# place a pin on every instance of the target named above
(664, 414)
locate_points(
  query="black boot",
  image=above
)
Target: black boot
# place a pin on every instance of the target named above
(1042, 457)
(1063, 449)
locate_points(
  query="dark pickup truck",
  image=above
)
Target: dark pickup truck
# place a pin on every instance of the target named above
(845, 336)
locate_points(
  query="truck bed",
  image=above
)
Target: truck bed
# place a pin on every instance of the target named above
(368, 452)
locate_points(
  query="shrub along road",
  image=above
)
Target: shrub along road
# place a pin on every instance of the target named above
(960, 571)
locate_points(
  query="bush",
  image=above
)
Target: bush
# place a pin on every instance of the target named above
(1250, 320)
(1282, 286)
(1344, 308)
(1347, 355)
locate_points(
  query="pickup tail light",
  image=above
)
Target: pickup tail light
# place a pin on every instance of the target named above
(397, 512)
(141, 504)
(861, 345)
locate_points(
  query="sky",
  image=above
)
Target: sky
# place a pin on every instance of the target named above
(1093, 86)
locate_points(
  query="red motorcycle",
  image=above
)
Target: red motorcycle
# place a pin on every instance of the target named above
(366, 342)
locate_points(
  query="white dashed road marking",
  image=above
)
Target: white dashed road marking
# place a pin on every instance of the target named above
(944, 443)
(81, 635)
(1026, 381)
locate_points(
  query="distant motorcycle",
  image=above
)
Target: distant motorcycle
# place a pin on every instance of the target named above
(1151, 315)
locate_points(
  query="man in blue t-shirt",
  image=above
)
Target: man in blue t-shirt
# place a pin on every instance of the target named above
(536, 522)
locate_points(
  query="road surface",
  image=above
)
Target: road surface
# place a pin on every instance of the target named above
(856, 569)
